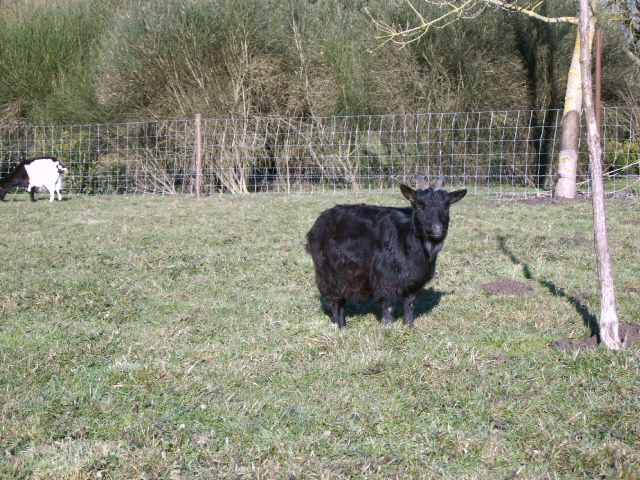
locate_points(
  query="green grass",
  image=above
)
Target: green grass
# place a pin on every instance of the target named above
(47, 64)
(147, 337)
(70, 62)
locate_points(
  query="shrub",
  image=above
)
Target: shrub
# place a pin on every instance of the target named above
(623, 158)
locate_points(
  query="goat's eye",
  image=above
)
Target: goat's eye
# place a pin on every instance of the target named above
(420, 206)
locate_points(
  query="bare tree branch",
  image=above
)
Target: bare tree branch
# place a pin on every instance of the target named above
(634, 58)
(531, 11)
(452, 11)
(624, 15)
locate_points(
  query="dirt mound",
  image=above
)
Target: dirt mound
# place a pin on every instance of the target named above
(575, 240)
(629, 334)
(507, 287)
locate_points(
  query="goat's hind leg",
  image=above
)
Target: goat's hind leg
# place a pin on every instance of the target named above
(387, 313)
(388, 306)
(386, 298)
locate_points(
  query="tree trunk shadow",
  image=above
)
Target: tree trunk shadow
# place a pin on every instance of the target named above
(589, 318)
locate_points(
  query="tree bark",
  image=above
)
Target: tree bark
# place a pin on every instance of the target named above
(568, 162)
(609, 334)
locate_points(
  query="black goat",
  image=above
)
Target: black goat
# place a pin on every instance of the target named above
(366, 251)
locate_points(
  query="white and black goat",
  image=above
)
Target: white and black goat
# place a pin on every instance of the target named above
(35, 173)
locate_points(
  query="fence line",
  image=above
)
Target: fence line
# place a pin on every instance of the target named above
(503, 152)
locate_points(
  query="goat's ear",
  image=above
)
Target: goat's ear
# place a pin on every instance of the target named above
(408, 192)
(457, 195)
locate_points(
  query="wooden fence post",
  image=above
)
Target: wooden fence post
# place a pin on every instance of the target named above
(198, 155)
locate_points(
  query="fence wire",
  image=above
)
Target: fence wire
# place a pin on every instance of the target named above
(494, 152)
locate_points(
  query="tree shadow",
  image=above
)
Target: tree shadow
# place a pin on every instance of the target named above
(589, 318)
(426, 301)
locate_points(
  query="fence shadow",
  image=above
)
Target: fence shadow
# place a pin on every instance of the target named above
(426, 301)
(589, 318)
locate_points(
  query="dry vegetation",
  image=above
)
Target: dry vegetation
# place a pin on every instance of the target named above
(71, 61)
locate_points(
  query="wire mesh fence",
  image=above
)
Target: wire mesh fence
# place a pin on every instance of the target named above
(494, 152)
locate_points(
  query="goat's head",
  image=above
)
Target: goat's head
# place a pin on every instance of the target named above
(430, 218)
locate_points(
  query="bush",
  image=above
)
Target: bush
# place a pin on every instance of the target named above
(623, 158)
(86, 61)
(178, 57)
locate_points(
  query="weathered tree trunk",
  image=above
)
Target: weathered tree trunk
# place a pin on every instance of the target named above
(609, 334)
(568, 162)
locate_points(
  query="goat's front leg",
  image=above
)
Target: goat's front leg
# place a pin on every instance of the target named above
(58, 189)
(336, 305)
(409, 307)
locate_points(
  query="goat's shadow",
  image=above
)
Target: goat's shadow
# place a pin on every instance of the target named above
(42, 199)
(426, 300)
(589, 318)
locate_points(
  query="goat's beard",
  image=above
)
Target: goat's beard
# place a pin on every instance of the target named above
(433, 247)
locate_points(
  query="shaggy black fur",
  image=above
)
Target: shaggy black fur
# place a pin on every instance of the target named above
(365, 251)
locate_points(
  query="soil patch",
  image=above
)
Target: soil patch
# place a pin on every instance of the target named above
(502, 359)
(534, 201)
(507, 287)
(631, 222)
(629, 334)
(550, 200)
(575, 240)
(632, 289)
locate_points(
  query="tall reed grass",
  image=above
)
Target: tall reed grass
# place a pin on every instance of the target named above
(73, 61)
(47, 64)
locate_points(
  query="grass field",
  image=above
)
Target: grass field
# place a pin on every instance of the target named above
(148, 337)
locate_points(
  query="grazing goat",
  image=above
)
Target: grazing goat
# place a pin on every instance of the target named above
(366, 251)
(35, 173)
